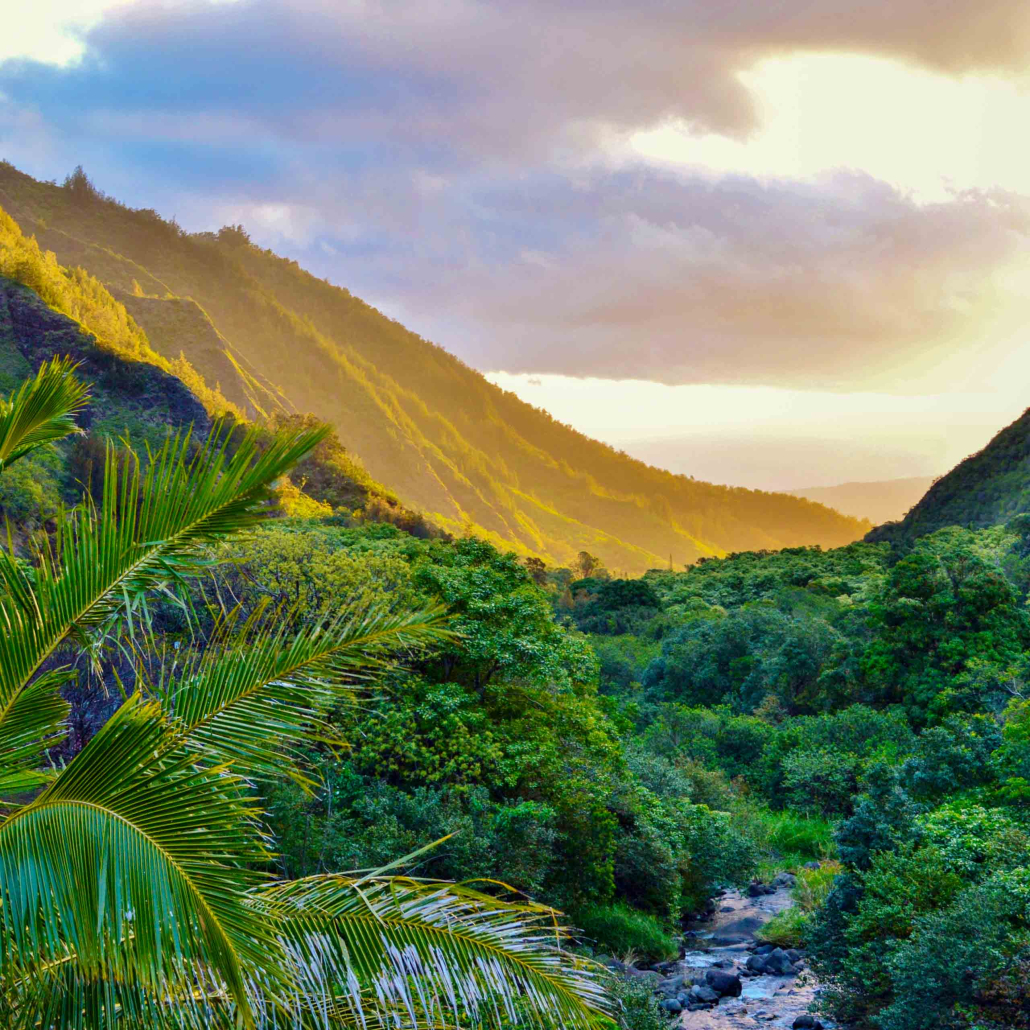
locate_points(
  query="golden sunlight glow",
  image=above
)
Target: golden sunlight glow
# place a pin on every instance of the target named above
(922, 132)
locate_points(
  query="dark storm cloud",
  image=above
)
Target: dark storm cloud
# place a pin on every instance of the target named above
(443, 156)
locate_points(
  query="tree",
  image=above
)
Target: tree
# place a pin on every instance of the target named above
(135, 882)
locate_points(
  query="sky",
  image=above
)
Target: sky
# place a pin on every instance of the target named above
(775, 243)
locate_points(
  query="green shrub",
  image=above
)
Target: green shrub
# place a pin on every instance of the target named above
(29, 490)
(789, 929)
(636, 1004)
(969, 946)
(820, 781)
(622, 930)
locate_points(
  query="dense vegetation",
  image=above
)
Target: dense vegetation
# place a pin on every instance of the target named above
(136, 873)
(615, 747)
(987, 488)
(880, 695)
(272, 337)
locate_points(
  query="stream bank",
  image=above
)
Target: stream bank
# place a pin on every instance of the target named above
(727, 980)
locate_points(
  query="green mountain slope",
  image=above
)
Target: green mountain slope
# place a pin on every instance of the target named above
(986, 489)
(270, 337)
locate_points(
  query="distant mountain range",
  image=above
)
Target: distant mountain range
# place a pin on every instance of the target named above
(266, 337)
(987, 489)
(885, 501)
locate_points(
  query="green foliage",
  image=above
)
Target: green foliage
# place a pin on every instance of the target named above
(636, 1004)
(793, 837)
(621, 930)
(820, 781)
(135, 882)
(434, 430)
(790, 928)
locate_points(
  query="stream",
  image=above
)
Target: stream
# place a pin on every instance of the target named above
(725, 942)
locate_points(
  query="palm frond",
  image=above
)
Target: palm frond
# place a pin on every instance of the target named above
(151, 529)
(135, 865)
(34, 720)
(261, 691)
(431, 952)
(42, 410)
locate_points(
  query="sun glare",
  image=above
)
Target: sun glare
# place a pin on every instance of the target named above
(925, 133)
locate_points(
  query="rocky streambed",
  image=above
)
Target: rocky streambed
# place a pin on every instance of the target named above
(727, 980)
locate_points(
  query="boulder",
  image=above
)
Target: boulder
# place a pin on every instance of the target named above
(703, 993)
(764, 949)
(755, 889)
(672, 985)
(784, 880)
(670, 1005)
(723, 983)
(813, 865)
(793, 954)
(777, 963)
(756, 964)
(806, 1022)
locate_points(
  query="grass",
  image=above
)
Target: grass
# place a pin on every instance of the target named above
(788, 928)
(789, 840)
(622, 931)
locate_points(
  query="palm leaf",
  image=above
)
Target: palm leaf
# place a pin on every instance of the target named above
(34, 719)
(432, 952)
(134, 865)
(41, 411)
(259, 693)
(151, 529)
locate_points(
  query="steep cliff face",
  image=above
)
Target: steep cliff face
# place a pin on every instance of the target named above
(127, 395)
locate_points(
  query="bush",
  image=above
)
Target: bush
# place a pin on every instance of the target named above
(718, 855)
(820, 781)
(636, 1004)
(953, 954)
(621, 930)
(789, 929)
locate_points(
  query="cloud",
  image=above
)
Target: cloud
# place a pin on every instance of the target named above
(845, 283)
(460, 163)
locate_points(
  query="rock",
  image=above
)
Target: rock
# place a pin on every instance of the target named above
(806, 1022)
(793, 954)
(755, 889)
(813, 865)
(708, 995)
(727, 908)
(672, 985)
(723, 963)
(784, 880)
(647, 975)
(725, 984)
(756, 964)
(777, 963)
(765, 949)
(671, 1005)
(769, 890)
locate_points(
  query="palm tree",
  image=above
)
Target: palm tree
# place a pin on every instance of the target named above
(135, 880)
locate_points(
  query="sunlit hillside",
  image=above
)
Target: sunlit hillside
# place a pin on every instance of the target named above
(266, 336)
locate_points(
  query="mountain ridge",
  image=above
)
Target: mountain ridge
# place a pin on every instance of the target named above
(880, 501)
(986, 489)
(436, 432)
